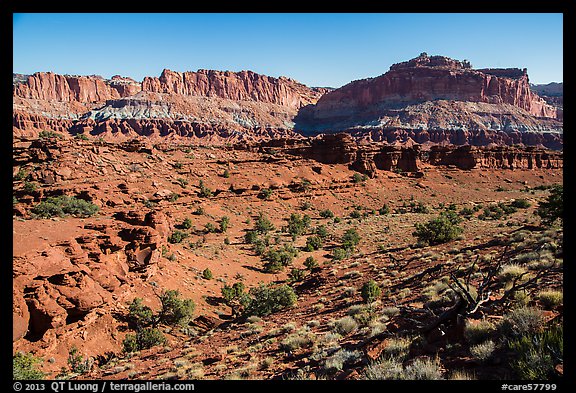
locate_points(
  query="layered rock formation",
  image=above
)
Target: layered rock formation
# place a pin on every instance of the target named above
(220, 107)
(427, 95)
(426, 100)
(369, 158)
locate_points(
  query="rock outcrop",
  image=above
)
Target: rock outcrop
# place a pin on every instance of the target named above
(238, 86)
(431, 94)
(369, 158)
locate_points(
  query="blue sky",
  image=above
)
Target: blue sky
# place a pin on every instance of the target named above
(315, 49)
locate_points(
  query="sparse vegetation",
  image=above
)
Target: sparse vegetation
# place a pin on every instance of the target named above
(177, 237)
(25, 367)
(553, 208)
(207, 274)
(62, 206)
(370, 291)
(441, 229)
(204, 192)
(267, 299)
(537, 354)
(327, 213)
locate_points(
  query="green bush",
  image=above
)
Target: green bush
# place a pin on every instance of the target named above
(537, 354)
(327, 213)
(520, 203)
(340, 253)
(207, 274)
(553, 208)
(297, 225)
(313, 243)
(385, 209)
(266, 300)
(204, 192)
(358, 178)
(186, 224)
(49, 134)
(441, 229)
(226, 173)
(209, 228)
(250, 237)
(177, 237)
(310, 263)
(64, 205)
(175, 311)
(296, 275)
(143, 339)
(321, 231)
(82, 137)
(370, 291)
(550, 299)
(355, 214)
(350, 239)
(224, 224)
(523, 320)
(139, 315)
(21, 175)
(29, 187)
(265, 193)
(263, 224)
(77, 362)
(25, 367)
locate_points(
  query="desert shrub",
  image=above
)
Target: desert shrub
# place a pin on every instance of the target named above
(143, 339)
(385, 209)
(139, 315)
(29, 187)
(207, 274)
(523, 320)
(297, 225)
(263, 225)
(398, 347)
(177, 165)
(313, 243)
(296, 275)
(209, 228)
(550, 298)
(483, 351)
(370, 291)
(265, 193)
(419, 207)
(390, 311)
(250, 237)
(467, 212)
(345, 325)
(321, 231)
(340, 253)
(226, 173)
(327, 213)
(510, 272)
(49, 134)
(182, 182)
(520, 203)
(537, 354)
(174, 310)
(177, 237)
(76, 362)
(479, 332)
(391, 369)
(64, 205)
(186, 224)
(305, 205)
(441, 229)
(350, 239)
(25, 367)
(355, 214)
(553, 208)
(339, 359)
(266, 299)
(310, 263)
(204, 192)
(358, 178)
(199, 211)
(297, 341)
(21, 174)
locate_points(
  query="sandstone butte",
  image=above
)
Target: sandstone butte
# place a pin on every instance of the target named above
(427, 100)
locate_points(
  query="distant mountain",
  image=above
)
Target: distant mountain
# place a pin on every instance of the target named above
(552, 89)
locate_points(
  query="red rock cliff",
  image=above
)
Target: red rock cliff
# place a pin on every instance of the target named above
(66, 88)
(242, 86)
(428, 79)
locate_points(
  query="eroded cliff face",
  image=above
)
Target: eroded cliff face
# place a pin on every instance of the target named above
(239, 86)
(365, 158)
(85, 89)
(428, 93)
